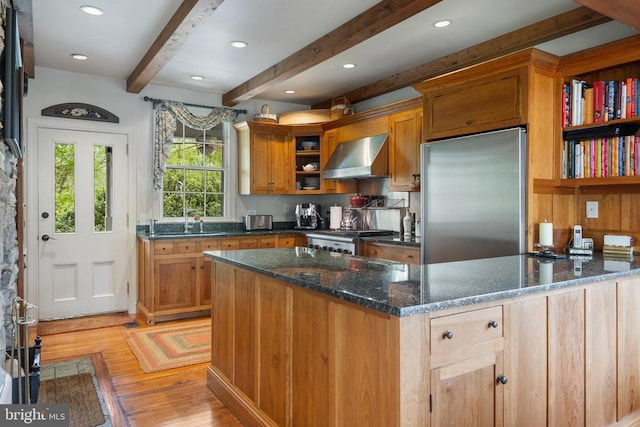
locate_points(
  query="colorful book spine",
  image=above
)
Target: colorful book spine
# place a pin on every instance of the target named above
(598, 101)
(566, 103)
(610, 99)
(588, 105)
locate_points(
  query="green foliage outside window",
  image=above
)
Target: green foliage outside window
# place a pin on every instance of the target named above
(194, 176)
(65, 201)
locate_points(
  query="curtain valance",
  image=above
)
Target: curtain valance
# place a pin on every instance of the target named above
(166, 115)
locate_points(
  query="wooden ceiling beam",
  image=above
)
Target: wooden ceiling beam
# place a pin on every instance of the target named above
(378, 18)
(560, 25)
(190, 14)
(625, 11)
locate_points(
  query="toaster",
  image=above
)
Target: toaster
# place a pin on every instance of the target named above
(258, 222)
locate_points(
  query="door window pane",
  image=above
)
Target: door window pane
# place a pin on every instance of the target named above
(102, 185)
(65, 194)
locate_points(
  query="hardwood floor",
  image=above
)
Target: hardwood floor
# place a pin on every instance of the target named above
(166, 398)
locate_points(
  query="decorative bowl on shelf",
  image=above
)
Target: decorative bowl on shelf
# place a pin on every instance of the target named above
(309, 145)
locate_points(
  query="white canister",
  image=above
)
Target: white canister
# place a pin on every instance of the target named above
(335, 216)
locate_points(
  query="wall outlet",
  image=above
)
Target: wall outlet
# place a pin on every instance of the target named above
(592, 209)
(286, 208)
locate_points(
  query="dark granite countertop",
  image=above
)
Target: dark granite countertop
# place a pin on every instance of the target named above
(395, 239)
(404, 290)
(230, 233)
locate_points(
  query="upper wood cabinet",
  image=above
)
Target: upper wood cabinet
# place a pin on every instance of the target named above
(489, 96)
(405, 136)
(487, 103)
(265, 158)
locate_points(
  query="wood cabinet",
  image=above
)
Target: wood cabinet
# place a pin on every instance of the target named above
(174, 278)
(286, 355)
(467, 368)
(613, 62)
(484, 103)
(265, 154)
(405, 137)
(392, 252)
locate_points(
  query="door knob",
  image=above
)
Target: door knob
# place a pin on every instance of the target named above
(46, 237)
(501, 379)
(447, 334)
(45, 215)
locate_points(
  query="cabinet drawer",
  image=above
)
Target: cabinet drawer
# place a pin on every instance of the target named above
(393, 253)
(268, 242)
(249, 244)
(209, 245)
(286, 241)
(162, 248)
(229, 244)
(186, 247)
(465, 329)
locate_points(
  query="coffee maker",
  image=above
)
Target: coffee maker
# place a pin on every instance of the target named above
(307, 215)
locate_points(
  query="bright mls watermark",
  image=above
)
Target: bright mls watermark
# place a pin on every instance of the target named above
(34, 415)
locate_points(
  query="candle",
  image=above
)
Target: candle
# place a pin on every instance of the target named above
(546, 234)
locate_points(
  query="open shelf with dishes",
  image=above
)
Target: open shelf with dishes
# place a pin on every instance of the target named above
(600, 113)
(307, 163)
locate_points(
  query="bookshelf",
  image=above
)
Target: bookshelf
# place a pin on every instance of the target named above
(600, 115)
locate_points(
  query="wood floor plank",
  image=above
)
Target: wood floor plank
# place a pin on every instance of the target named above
(174, 397)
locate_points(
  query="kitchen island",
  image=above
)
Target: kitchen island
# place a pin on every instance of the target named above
(305, 337)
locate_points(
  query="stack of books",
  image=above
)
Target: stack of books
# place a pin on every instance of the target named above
(617, 247)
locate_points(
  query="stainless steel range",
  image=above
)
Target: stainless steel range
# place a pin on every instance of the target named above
(343, 241)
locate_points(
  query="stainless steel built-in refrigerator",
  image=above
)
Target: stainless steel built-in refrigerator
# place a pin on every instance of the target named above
(473, 196)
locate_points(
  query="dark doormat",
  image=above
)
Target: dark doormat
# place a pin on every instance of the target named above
(79, 392)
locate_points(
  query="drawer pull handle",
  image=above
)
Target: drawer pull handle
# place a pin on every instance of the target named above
(502, 379)
(493, 323)
(447, 334)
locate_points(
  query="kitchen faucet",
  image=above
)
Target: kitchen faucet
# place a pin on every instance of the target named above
(188, 225)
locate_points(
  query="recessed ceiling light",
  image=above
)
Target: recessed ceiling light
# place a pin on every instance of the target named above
(348, 66)
(442, 23)
(239, 44)
(290, 91)
(79, 56)
(194, 77)
(91, 10)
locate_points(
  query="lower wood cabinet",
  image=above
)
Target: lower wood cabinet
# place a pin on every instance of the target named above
(174, 278)
(284, 355)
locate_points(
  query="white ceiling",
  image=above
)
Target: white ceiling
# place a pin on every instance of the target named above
(274, 29)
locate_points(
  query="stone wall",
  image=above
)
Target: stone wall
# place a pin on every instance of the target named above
(8, 230)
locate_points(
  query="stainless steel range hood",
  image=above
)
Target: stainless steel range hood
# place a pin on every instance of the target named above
(361, 158)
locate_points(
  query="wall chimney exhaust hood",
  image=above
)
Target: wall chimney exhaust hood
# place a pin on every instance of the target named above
(361, 158)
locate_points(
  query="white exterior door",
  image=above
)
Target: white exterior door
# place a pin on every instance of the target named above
(82, 230)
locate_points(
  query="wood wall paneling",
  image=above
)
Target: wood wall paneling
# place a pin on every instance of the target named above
(566, 359)
(312, 364)
(525, 400)
(245, 324)
(628, 346)
(222, 320)
(363, 398)
(600, 354)
(274, 333)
